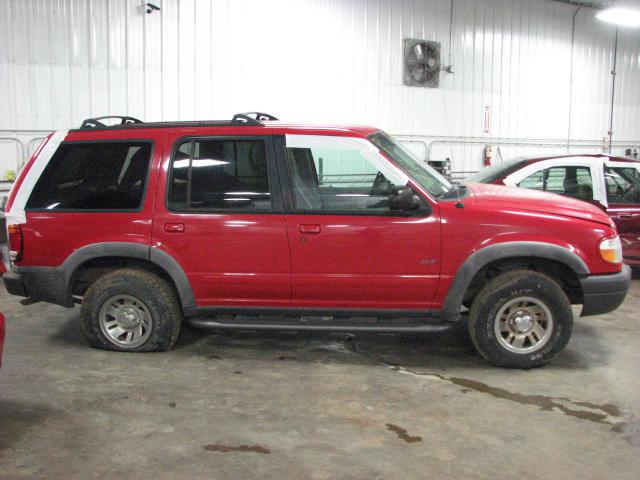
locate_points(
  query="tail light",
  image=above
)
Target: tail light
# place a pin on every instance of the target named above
(15, 242)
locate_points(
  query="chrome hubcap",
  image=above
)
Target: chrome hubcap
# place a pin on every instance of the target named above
(523, 325)
(521, 321)
(125, 321)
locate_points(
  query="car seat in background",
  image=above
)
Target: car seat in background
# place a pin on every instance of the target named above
(584, 192)
(570, 184)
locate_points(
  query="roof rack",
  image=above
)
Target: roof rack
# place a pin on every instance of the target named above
(252, 118)
(97, 123)
(246, 118)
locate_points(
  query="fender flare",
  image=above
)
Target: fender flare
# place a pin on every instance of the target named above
(140, 251)
(499, 251)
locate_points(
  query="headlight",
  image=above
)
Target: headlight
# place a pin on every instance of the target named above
(611, 249)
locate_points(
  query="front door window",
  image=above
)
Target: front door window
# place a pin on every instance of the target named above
(329, 174)
(566, 180)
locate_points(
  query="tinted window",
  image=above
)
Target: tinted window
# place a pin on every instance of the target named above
(93, 176)
(572, 181)
(220, 174)
(623, 185)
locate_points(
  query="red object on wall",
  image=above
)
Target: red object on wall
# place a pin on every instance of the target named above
(488, 155)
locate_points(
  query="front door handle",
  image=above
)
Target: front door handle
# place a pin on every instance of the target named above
(309, 228)
(174, 227)
(624, 215)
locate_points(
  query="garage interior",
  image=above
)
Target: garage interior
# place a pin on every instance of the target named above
(515, 78)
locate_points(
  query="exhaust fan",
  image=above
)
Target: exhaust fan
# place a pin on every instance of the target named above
(421, 63)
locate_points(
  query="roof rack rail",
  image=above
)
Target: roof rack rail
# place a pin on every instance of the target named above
(252, 118)
(97, 123)
(246, 119)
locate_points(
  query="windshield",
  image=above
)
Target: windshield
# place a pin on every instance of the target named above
(495, 172)
(425, 175)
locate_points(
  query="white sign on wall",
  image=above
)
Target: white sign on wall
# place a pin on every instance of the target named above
(486, 120)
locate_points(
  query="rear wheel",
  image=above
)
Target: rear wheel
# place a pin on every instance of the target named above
(520, 319)
(131, 310)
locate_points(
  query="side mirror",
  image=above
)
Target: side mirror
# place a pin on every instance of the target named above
(403, 198)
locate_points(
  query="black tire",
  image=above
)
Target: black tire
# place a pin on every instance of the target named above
(155, 294)
(505, 288)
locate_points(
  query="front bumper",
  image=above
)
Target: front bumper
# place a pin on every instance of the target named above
(604, 293)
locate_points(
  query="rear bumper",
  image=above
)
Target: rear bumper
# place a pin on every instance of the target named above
(14, 284)
(604, 293)
(47, 284)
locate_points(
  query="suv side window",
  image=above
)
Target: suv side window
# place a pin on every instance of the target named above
(623, 185)
(340, 176)
(572, 181)
(219, 174)
(94, 176)
(534, 181)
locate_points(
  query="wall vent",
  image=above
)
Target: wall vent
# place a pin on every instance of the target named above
(421, 63)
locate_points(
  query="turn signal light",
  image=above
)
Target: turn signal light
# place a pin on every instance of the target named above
(15, 242)
(611, 249)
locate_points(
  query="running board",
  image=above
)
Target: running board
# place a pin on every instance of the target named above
(324, 324)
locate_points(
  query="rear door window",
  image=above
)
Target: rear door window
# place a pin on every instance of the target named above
(103, 176)
(220, 174)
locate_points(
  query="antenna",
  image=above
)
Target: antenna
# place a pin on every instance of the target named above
(459, 204)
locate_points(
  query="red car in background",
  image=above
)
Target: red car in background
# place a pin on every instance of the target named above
(613, 183)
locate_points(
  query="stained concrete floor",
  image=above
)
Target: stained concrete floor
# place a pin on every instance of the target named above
(315, 406)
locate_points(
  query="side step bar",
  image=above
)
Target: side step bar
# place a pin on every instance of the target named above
(324, 324)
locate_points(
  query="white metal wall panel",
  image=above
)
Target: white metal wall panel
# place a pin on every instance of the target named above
(323, 61)
(627, 113)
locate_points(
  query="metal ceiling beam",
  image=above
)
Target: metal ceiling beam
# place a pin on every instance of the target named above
(588, 4)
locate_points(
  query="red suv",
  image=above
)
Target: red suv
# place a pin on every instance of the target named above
(253, 223)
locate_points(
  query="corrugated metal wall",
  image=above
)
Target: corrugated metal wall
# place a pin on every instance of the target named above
(324, 61)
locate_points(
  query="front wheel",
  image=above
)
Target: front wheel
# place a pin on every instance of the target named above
(520, 319)
(131, 310)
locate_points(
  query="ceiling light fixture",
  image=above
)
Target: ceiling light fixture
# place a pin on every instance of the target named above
(624, 17)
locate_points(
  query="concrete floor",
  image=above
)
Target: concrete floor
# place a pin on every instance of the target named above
(302, 406)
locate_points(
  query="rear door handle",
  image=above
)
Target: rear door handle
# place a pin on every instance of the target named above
(174, 227)
(624, 215)
(309, 228)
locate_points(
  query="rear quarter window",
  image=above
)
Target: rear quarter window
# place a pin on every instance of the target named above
(99, 176)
